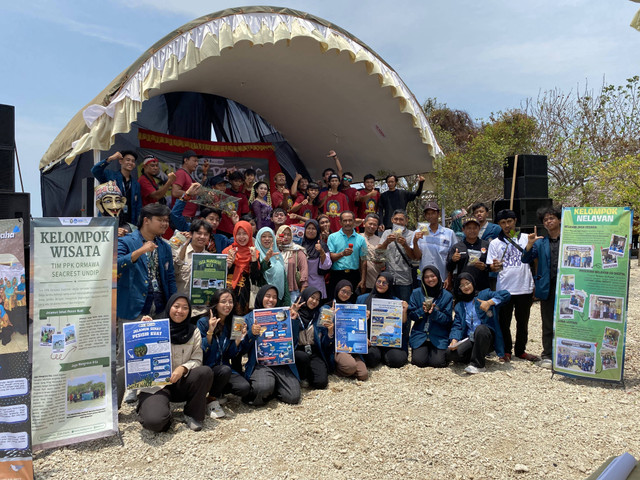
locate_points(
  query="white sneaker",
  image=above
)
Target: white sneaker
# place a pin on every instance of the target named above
(546, 363)
(472, 369)
(215, 410)
(130, 396)
(192, 423)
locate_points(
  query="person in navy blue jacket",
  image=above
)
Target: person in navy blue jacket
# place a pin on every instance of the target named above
(488, 231)
(128, 185)
(430, 308)
(546, 250)
(314, 353)
(218, 348)
(392, 357)
(145, 275)
(475, 331)
(283, 381)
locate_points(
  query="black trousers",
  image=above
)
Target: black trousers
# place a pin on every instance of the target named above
(546, 312)
(312, 368)
(522, 306)
(476, 351)
(428, 355)
(154, 411)
(391, 357)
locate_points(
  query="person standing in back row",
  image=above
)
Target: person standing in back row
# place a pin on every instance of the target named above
(396, 199)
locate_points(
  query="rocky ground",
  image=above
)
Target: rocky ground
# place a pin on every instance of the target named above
(515, 421)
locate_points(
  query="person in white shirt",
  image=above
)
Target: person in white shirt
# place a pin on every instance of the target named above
(505, 257)
(432, 247)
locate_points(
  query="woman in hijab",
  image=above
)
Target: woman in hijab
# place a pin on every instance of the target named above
(392, 357)
(218, 347)
(190, 380)
(475, 330)
(318, 260)
(295, 259)
(315, 342)
(282, 381)
(430, 308)
(348, 364)
(242, 265)
(272, 265)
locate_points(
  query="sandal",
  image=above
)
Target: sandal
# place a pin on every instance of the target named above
(506, 358)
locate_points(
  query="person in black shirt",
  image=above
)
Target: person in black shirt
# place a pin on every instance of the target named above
(396, 199)
(469, 256)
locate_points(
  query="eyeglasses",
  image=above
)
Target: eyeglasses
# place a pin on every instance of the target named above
(382, 283)
(347, 179)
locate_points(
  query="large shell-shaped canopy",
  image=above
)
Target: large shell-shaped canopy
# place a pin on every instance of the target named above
(320, 86)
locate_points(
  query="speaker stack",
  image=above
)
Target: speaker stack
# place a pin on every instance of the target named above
(531, 189)
(12, 204)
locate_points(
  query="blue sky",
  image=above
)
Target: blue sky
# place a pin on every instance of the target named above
(481, 57)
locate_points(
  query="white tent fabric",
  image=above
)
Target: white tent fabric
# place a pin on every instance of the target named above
(319, 86)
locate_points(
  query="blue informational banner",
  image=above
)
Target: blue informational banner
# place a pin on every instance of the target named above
(351, 329)
(147, 347)
(386, 322)
(275, 343)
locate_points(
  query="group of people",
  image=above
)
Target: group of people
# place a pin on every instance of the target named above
(319, 244)
(12, 296)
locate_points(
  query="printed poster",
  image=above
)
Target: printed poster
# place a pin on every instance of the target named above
(386, 323)
(73, 317)
(351, 328)
(15, 368)
(208, 275)
(147, 347)
(590, 318)
(274, 346)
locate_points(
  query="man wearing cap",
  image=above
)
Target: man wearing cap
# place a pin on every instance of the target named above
(184, 179)
(129, 187)
(348, 190)
(151, 185)
(505, 257)
(280, 196)
(334, 202)
(470, 255)
(236, 179)
(432, 247)
(396, 199)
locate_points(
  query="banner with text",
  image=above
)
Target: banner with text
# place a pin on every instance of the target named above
(73, 317)
(590, 316)
(15, 369)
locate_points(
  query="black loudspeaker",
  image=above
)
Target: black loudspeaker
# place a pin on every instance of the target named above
(7, 147)
(17, 205)
(532, 180)
(526, 209)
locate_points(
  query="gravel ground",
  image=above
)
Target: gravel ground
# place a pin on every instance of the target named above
(515, 421)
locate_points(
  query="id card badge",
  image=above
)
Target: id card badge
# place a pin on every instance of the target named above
(125, 209)
(155, 285)
(307, 349)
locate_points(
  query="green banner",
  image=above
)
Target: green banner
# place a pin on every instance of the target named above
(208, 275)
(63, 312)
(90, 362)
(590, 316)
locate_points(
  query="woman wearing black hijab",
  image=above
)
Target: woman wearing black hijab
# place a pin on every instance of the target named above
(348, 364)
(430, 308)
(392, 357)
(265, 381)
(190, 380)
(315, 342)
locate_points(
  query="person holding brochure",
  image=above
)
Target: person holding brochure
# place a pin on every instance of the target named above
(348, 364)
(318, 258)
(314, 353)
(242, 265)
(282, 381)
(190, 380)
(430, 308)
(476, 330)
(218, 348)
(295, 259)
(272, 265)
(392, 357)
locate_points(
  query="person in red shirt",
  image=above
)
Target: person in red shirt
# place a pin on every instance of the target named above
(306, 207)
(334, 202)
(348, 190)
(299, 188)
(280, 197)
(236, 179)
(367, 198)
(249, 180)
(184, 180)
(151, 187)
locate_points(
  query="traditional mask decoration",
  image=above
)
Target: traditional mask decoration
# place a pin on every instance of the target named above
(109, 199)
